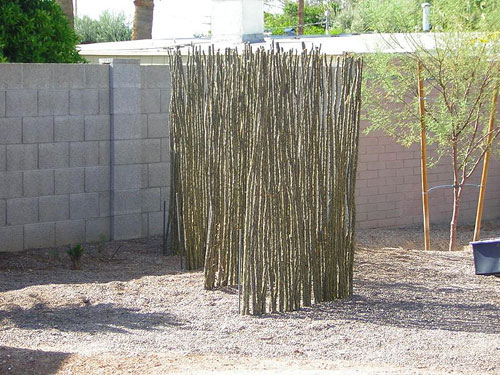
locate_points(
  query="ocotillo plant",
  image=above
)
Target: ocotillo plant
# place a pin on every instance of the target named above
(266, 142)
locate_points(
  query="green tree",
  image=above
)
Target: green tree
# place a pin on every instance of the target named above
(36, 31)
(108, 28)
(314, 18)
(465, 15)
(388, 15)
(406, 15)
(460, 74)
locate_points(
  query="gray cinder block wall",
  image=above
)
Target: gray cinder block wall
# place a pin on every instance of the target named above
(84, 152)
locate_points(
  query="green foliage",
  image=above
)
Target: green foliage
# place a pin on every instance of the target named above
(108, 28)
(390, 16)
(75, 253)
(459, 77)
(36, 31)
(380, 16)
(465, 15)
(314, 18)
(406, 15)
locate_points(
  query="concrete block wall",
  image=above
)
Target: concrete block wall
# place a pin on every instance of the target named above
(140, 151)
(83, 152)
(389, 187)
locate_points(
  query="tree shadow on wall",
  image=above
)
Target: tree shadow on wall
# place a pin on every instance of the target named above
(16, 361)
(91, 319)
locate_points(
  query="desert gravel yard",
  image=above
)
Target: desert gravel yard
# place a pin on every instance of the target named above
(413, 312)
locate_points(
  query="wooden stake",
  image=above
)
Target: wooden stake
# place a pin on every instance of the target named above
(423, 159)
(486, 164)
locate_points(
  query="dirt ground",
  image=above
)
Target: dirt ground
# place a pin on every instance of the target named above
(413, 312)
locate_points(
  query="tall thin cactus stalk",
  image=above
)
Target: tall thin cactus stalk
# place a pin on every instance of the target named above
(266, 143)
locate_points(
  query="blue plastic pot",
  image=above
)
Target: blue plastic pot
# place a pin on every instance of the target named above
(487, 257)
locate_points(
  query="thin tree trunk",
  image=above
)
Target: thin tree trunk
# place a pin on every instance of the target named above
(454, 218)
(67, 8)
(143, 19)
(457, 190)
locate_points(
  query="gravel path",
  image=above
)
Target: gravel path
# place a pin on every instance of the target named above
(412, 312)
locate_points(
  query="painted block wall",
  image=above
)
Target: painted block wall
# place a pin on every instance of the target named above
(83, 152)
(389, 187)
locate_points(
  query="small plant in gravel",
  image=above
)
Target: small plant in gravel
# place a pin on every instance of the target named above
(75, 253)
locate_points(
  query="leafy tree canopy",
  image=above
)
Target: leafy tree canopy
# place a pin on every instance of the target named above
(108, 28)
(406, 15)
(36, 31)
(461, 75)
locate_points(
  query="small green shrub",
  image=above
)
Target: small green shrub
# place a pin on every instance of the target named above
(36, 31)
(75, 253)
(108, 28)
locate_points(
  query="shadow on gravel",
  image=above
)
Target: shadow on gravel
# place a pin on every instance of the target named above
(15, 361)
(116, 261)
(406, 305)
(90, 319)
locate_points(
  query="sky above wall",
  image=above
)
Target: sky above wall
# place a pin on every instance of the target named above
(172, 18)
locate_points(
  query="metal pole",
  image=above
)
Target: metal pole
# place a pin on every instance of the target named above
(426, 9)
(423, 160)
(486, 164)
(177, 208)
(240, 246)
(167, 234)
(164, 242)
(327, 21)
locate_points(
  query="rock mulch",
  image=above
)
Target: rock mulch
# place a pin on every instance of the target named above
(412, 312)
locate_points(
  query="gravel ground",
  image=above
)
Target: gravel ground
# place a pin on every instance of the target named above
(413, 312)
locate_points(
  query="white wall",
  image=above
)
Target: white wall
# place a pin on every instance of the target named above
(172, 19)
(237, 20)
